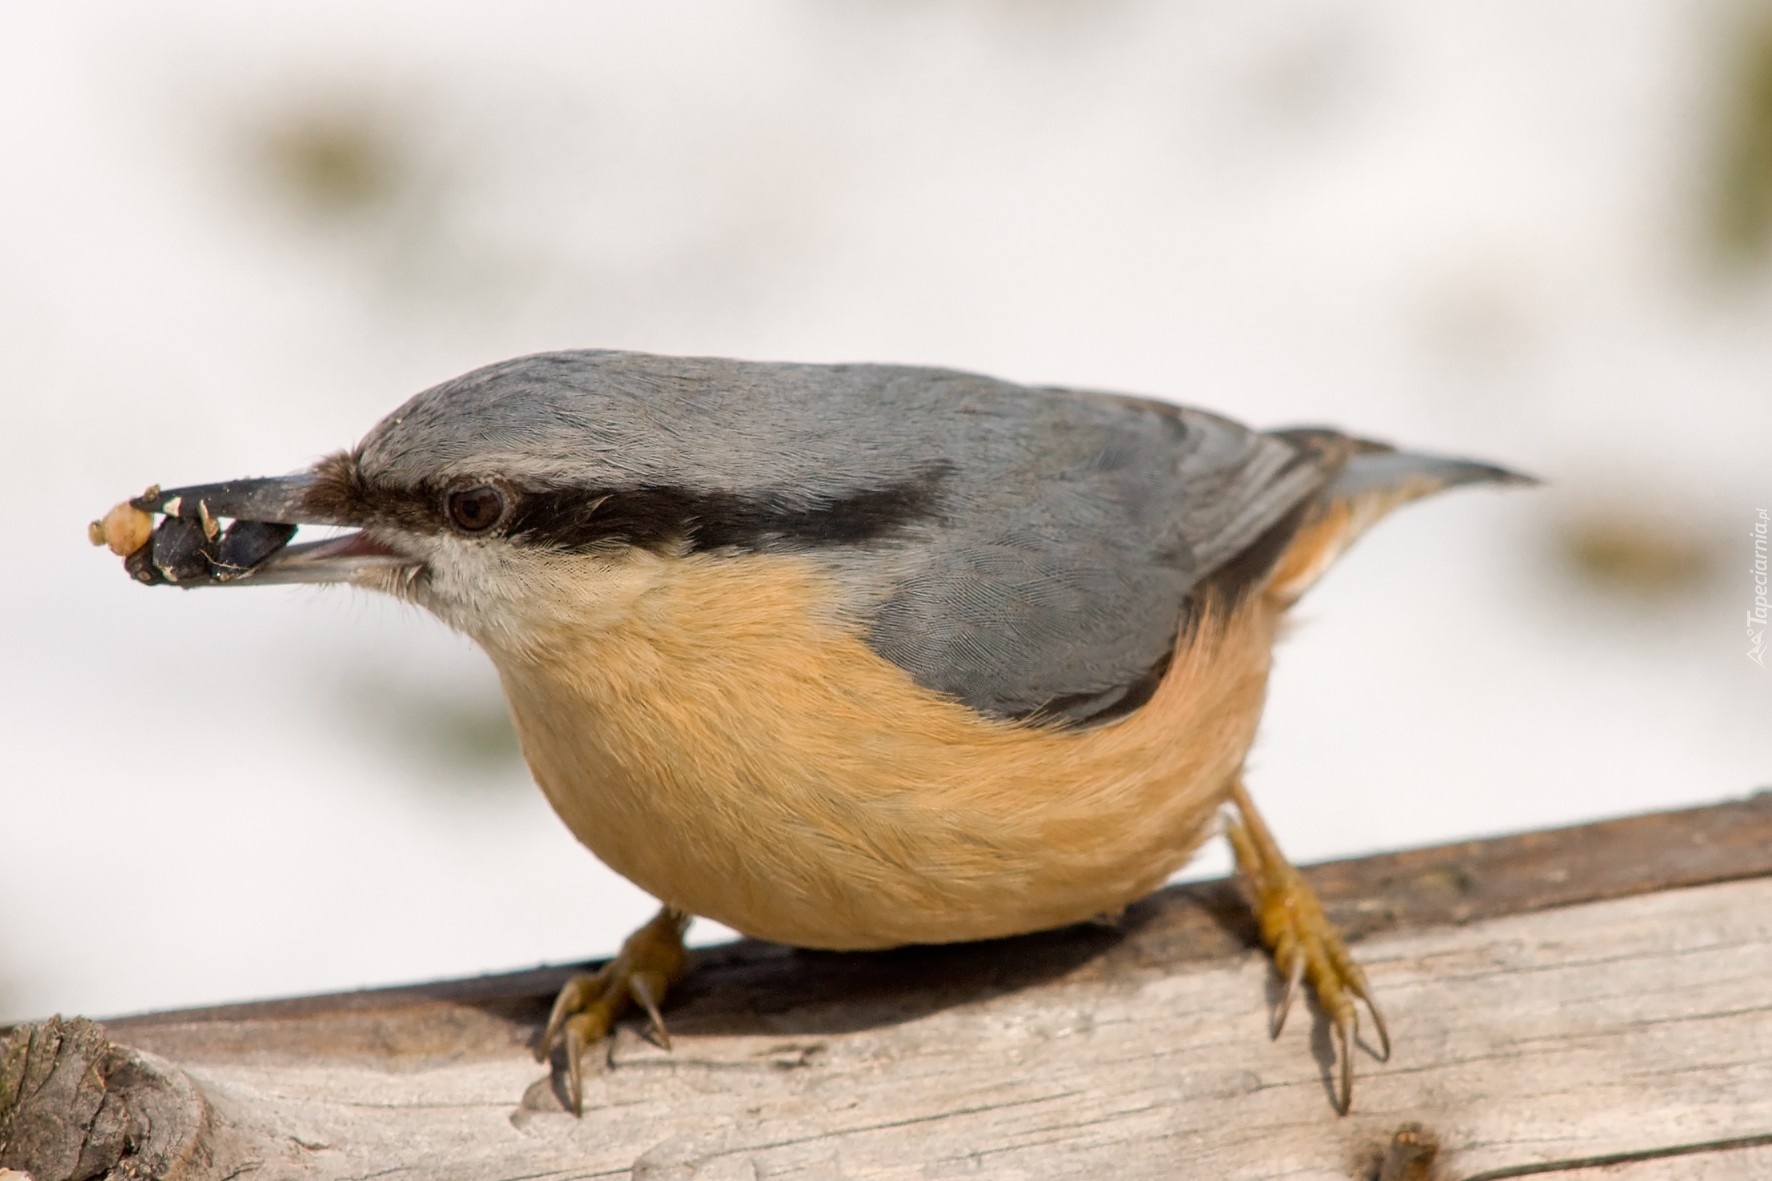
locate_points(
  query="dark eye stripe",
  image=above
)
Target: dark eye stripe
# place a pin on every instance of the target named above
(576, 519)
(573, 519)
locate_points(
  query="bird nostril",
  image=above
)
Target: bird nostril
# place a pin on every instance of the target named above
(476, 509)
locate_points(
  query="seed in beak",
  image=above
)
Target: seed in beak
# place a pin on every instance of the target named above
(124, 530)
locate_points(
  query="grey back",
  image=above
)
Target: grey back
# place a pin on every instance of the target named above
(1044, 567)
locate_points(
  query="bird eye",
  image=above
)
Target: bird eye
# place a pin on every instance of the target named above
(477, 509)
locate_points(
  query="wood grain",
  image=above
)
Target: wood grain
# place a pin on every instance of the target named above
(1196, 923)
(1585, 1003)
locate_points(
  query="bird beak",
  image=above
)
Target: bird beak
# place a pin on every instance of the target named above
(239, 532)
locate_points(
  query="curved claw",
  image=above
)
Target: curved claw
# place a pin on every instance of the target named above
(576, 1043)
(1358, 987)
(648, 990)
(1281, 1010)
(1345, 1033)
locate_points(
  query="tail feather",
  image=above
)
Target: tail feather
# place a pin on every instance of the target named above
(1390, 472)
(1370, 480)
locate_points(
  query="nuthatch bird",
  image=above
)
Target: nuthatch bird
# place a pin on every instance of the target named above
(844, 656)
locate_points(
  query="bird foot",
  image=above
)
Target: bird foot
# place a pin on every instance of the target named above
(1304, 945)
(650, 961)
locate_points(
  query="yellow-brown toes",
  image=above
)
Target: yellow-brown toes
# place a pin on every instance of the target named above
(1304, 945)
(582, 1031)
(1307, 949)
(580, 992)
(588, 1006)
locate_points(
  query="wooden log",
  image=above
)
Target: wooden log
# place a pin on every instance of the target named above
(1563, 1002)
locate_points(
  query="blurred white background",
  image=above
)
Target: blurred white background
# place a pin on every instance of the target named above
(232, 236)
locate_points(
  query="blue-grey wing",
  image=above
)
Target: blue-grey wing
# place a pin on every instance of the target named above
(1063, 567)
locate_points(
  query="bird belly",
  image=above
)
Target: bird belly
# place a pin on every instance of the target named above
(735, 748)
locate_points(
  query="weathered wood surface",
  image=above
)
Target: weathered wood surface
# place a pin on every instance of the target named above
(1580, 1003)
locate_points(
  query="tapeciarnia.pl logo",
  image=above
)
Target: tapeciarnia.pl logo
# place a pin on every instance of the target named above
(1761, 614)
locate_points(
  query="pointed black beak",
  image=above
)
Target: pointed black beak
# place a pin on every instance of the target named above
(239, 532)
(277, 500)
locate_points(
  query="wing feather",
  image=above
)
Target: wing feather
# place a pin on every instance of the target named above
(1057, 588)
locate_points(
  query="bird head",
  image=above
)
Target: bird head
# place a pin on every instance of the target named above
(558, 483)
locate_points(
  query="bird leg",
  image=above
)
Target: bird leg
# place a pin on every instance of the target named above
(1304, 946)
(650, 961)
